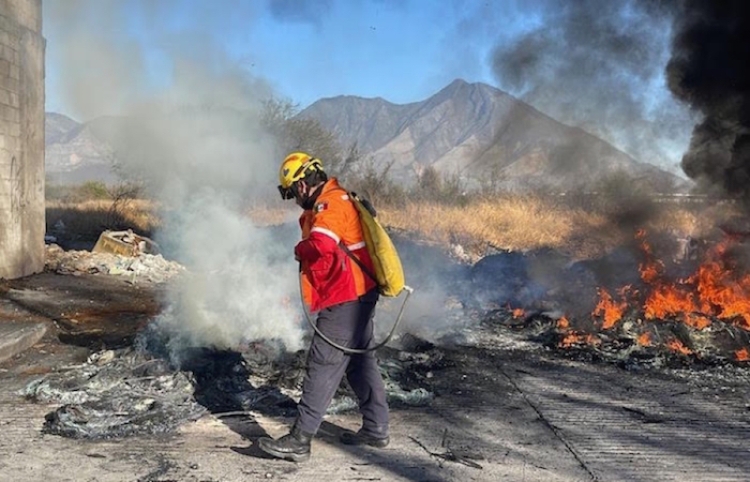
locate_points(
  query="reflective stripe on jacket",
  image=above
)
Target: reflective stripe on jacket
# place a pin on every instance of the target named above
(329, 276)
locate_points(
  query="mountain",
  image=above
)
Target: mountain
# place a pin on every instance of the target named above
(73, 153)
(57, 126)
(473, 130)
(481, 134)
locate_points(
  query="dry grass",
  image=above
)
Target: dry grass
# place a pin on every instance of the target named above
(512, 222)
(529, 222)
(86, 220)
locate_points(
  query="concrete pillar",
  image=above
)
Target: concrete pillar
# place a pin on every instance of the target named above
(22, 223)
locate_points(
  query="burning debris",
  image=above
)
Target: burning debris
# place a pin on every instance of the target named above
(636, 308)
(667, 314)
(633, 342)
(711, 306)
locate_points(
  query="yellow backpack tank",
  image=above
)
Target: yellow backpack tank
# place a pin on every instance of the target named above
(389, 273)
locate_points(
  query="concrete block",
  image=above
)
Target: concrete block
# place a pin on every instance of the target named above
(6, 39)
(5, 67)
(13, 129)
(9, 82)
(16, 337)
(8, 25)
(9, 53)
(21, 111)
(22, 13)
(9, 113)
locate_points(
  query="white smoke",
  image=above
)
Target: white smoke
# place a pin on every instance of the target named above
(186, 121)
(241, 285)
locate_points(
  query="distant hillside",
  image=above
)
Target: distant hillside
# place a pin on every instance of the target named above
(74, 154)
(480, 133)
(472, 130)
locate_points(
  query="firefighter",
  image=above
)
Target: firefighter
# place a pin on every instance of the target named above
(344, 298)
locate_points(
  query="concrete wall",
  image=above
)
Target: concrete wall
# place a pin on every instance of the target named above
(22, 223)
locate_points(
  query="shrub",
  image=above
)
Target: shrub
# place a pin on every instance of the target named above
(93, 190)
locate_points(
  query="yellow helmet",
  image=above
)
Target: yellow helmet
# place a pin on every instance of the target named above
(295, 167)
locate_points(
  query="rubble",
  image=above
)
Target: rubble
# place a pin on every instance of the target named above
(153, 268)
(115, 394)
(140, 389)
(524, 296)
(125, 243)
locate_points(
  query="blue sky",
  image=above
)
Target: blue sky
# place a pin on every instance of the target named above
(595, 64)
(403, 51)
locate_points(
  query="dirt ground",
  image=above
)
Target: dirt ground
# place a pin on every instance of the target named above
(504, 409)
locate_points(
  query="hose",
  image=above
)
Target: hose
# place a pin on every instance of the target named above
(346, 349)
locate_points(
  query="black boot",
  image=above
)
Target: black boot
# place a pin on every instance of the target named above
(361, 438)
(294, 446)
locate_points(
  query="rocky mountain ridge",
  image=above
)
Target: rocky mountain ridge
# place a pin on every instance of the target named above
(471, 130)
(479, 133)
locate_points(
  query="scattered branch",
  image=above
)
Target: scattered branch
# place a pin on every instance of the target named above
(449, 455)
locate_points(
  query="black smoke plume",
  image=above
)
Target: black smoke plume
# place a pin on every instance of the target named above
(710, 70)
(600, 66)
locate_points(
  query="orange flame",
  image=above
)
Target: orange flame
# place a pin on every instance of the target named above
(610, 310)
(652, 268)
(665, 301)
(742, 354)
(518, 313)
(714, 291)
(569, 340)
(574, 338)
(563, 323)
(721, 295)
(678, 346)
(645, 339)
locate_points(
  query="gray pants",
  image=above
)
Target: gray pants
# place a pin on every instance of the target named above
(350, 325)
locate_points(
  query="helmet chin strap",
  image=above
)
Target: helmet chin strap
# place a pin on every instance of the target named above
(308, 201)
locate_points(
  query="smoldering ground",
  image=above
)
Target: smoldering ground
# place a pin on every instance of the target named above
(185, 119)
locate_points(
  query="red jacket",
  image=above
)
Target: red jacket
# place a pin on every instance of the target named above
(329, 276)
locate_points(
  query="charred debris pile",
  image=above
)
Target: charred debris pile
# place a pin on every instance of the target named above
(646, 306)
(642, 306)
(143, 389)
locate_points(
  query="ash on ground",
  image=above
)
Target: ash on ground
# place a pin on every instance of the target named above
(143, 390)
(507, 301)
(115, 394)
